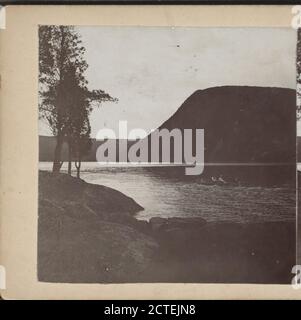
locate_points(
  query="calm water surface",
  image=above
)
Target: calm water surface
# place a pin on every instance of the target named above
(167, 197)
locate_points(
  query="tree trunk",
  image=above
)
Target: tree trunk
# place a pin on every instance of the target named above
(78, 171)
(77, 165)
(57, 163)
(69, 159)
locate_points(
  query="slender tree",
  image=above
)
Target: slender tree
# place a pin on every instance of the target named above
(63, 88)
(79, 108)
(76, 109)
(82, 145)
(59, 47)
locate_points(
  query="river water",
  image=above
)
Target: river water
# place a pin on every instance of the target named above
(163, 196)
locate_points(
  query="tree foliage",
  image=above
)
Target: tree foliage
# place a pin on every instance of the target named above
(65, 102)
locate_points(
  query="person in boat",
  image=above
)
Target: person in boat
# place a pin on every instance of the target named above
(220, 179)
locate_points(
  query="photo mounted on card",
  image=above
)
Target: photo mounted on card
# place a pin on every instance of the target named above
(158, 151)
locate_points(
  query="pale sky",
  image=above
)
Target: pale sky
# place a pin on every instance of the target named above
(152, 70)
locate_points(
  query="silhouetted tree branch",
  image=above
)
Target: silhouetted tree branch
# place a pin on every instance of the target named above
(65, 101)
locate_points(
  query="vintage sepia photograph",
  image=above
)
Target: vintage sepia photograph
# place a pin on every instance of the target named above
(167, 154)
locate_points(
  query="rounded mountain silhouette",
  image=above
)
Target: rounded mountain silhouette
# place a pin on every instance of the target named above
(242, 124)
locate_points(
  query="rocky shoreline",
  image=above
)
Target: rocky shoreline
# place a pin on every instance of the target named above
(88, 233)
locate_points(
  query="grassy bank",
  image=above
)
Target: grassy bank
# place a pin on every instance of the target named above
(88, 233)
